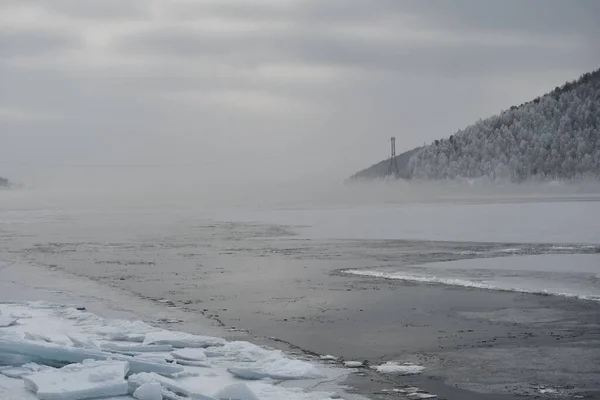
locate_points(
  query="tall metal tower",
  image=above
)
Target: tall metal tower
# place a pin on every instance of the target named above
(393, 165)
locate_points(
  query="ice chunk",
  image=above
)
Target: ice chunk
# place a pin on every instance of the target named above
(182, 339)
(51, 352)
(248, 373)
(353, 364)
(17, 360)
(421, 395)
(255, 362)
(191, 363)
(410, 389)
(37, 337)
(239, 391)
(392, 367)
(189, 354)
(86, 344)
(14, 372)
(155, 358)
(142, 378)
(6, 321)
(125, 337)
(168, 395)
(304, 371)
(328, 358)
(149, 391)
(26, 369)
(157, 348)
(170, 388)
(89, 380)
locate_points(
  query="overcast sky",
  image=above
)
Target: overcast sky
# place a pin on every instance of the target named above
(273, 88)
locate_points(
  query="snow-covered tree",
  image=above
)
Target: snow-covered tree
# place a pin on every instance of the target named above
(555, 136)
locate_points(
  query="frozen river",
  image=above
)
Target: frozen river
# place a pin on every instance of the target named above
(393, 281)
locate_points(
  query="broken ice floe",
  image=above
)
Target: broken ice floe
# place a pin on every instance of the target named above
(412, 392)
(24, 370)
(55, 352)
(138, 380)
(239, 391)
(182, 340)
(37, 337)
(420, 395)
(89, 380)
(354, 364)
(7, 321)
(148, 391)
(65, 354)
(328, 358)
(136, 348)
(189, 354)
(86, 344)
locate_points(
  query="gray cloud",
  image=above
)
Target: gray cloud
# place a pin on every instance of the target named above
(94, 9)
(539, 17)
(323, 82)
(320, 48)
(35, 42)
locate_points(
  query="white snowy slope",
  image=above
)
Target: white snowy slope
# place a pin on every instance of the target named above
(39, 360)
(574, 275)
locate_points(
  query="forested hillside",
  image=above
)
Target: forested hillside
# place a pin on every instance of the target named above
(555, 136)
(4, 182)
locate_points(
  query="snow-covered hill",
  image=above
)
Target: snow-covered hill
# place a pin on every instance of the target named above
(555, 136)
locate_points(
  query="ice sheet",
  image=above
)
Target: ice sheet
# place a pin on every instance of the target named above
(563, 275)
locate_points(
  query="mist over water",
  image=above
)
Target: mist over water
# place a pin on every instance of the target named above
(170, 187)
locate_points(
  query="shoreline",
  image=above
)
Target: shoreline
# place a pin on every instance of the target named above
(544, 311)
(23, 283)
(256, 278)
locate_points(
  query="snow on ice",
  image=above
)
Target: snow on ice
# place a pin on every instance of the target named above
(60, 353)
